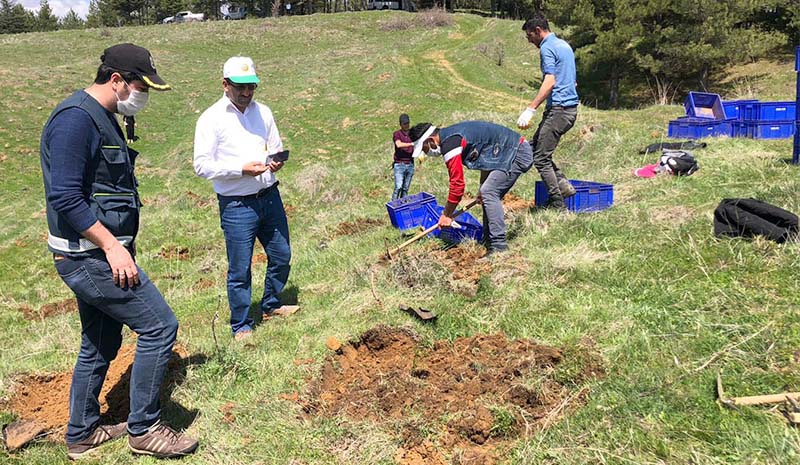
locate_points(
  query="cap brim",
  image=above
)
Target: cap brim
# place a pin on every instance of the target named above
(155, 81)
(245, 79)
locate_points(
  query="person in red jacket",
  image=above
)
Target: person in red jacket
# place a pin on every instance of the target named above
(501, 155)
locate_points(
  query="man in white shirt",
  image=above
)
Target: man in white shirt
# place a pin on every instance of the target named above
(235, 146)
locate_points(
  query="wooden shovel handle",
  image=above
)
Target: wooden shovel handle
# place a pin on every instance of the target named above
(765, 399)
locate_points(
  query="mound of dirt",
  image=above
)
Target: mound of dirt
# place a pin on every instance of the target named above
(348, 228)
(44, 398)
(479, 392)
(512, 203)
(463, 262)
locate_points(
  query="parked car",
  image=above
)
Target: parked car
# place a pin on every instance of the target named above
(184, 17)
(406, 5)
(382, 5)
(233, 12)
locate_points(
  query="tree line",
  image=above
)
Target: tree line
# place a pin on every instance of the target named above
(669, 47)
(622, 46)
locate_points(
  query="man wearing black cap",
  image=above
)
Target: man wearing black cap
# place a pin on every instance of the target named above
(403, 166)
(93, 218)
(499, 153)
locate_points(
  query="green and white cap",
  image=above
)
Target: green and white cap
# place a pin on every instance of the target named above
(240, 70)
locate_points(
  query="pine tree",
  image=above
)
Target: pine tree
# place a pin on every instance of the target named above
(45, 19)
(71, 21)
(14, 18)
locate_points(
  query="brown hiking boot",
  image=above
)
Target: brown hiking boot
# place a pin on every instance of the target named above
(100, 435)
(162, 442)
(243, 335)
(284, 310)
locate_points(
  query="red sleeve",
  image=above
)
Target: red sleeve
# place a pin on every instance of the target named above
(456, 170)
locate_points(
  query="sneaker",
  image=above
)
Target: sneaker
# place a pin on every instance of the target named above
(100, 435)
(162, 442)
(243, 334)
(566, 188)
(284, 310)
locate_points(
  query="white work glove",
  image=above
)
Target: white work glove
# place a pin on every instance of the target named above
(524, 120)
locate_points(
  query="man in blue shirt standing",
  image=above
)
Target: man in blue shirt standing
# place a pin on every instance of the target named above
(93, 219)
(559, 90)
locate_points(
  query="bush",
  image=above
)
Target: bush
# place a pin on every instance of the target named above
(428, 19)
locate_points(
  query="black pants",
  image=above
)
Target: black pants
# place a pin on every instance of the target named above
(556, 121)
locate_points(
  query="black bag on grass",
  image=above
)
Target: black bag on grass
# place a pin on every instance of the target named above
(751, 217)
(678, 162)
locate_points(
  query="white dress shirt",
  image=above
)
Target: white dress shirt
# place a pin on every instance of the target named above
(225, 139)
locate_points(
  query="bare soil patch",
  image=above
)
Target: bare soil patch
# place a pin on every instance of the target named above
(348, 228)
(465, 399)
(49, 310)
(426, 266)
(200, 201)
(512, 203)
(463, 262)
(44, 398)
(174, 252)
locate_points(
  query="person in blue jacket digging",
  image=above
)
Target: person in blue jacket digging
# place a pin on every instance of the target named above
(500, 154)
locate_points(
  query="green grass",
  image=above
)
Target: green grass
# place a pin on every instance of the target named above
(645, 281)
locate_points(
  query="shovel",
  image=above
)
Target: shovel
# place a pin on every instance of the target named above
(393, 252)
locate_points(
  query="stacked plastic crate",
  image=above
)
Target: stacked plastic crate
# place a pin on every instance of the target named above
(767, 120)
(796, 150)
(707, 115)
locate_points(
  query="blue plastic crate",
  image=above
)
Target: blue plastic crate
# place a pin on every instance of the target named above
(696, 128)
(409, 211)
(590, 196)
(770, 129)
(471, 228)
(768, 111)
(704, 105)
(796, 148)
(797, 59)
(739, 129)
(733, 107)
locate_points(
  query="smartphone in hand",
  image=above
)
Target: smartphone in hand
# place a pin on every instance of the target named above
(280, 156)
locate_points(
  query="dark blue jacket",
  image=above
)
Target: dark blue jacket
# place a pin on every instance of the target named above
(489, 146)
(108, 184)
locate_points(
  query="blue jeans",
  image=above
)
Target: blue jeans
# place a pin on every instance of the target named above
(243, 220)
(494, 187)
(403, 172)
(104, 308)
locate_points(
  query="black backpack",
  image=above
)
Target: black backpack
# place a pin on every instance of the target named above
(751, 217)
(678, 162)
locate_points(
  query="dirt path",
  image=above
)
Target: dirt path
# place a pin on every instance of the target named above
(500, 97)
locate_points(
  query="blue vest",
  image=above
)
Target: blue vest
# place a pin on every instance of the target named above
(109, 186)
(489, 146)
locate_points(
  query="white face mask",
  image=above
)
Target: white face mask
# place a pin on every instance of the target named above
(434, 152)
(133, 104)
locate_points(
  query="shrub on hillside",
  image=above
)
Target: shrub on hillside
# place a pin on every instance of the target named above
(434, 17)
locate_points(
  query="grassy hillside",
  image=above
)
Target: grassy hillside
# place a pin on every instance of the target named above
(645, 284)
